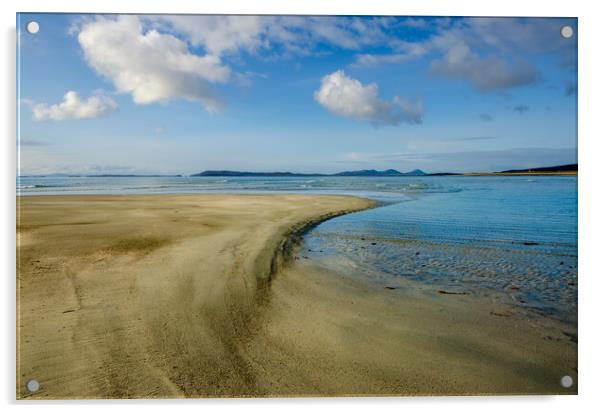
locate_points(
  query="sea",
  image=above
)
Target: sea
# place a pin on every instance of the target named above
(511, 236)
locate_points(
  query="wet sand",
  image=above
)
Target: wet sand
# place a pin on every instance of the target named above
(190, 295)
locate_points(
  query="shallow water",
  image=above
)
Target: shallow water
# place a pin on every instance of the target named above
(513, 235)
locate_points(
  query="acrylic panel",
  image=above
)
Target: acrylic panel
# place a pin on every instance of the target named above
(277, 206)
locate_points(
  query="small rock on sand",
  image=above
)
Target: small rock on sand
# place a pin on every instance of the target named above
(452, 292)
(501, 313)
(571, 336)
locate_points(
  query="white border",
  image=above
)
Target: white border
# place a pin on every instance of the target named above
(590, 286)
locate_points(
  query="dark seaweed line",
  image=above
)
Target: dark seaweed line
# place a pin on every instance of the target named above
(293, 238)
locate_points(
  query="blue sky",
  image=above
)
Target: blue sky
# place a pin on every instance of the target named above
(182, 94)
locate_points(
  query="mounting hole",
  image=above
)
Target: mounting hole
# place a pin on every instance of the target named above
(566, 381)
(566, 32)
(33, 386)
(32, 27)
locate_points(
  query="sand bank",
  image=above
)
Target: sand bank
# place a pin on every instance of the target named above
(184, 296)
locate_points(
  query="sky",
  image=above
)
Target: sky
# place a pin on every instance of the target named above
(179, 94)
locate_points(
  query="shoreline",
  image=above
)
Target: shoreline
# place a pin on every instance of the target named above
(293, 238)
(199, 296)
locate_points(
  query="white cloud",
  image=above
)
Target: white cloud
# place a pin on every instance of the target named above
(532, 35)
(152, 66)
(485, 74)
(368, 59)
(414, 22)
(404, 52)
(347, 97)
(488, 53)
(165, 58)
(218, 34)
(226, 35)
(72, 107)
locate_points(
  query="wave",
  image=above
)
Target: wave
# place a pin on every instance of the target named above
(38, 186)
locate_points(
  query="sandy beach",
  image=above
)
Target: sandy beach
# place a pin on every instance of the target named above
(203, 295)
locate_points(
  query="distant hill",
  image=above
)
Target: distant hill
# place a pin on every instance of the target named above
(239, 173)
(561, 168)
(364, 172)
(374, 172)
(570, 169)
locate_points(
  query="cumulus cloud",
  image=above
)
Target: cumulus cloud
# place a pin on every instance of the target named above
(152, 66)
(349, 98)
(73, 107)
(484, 74)
(166, 58)
(217, 34)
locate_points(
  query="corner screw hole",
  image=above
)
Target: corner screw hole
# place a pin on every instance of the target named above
(566, 32)
(33, 386)
(32, 27)
(566, 381)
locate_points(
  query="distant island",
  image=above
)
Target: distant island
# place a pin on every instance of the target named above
(570, 169)
(363, 172)
(388, 172)
(562, 168)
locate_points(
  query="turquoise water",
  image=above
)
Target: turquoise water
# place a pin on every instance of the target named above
(513, 235)
(516, 236)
